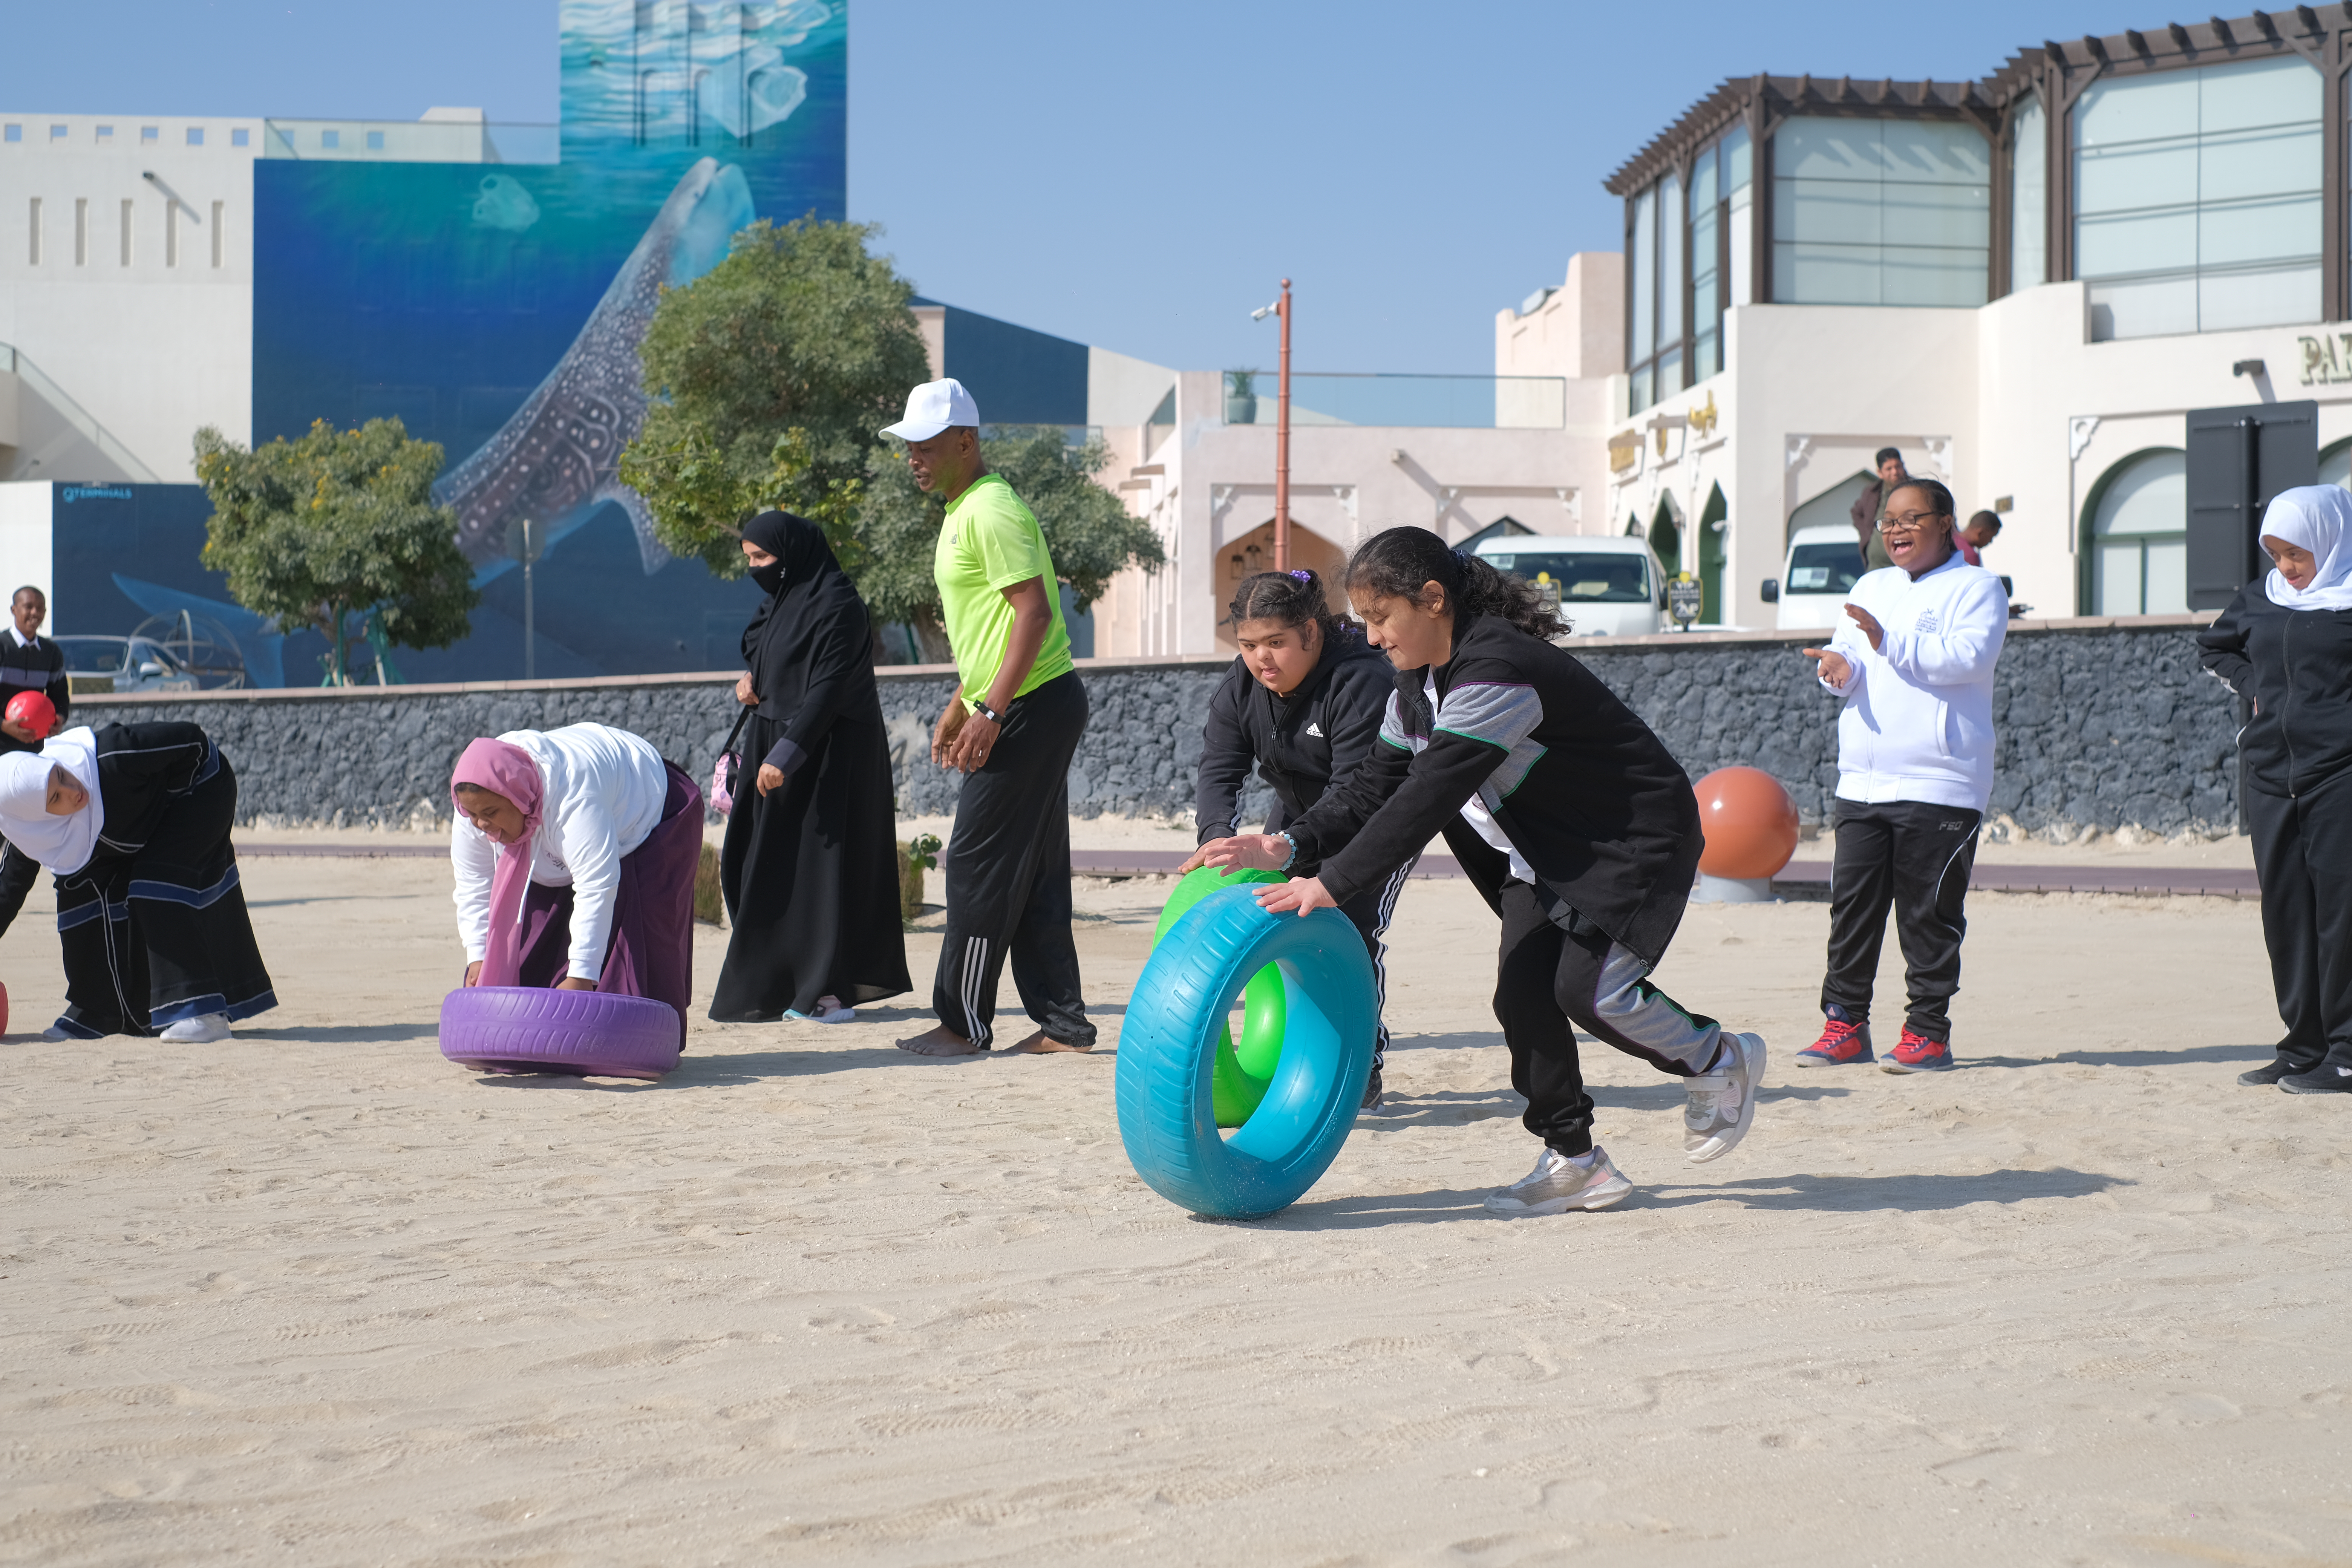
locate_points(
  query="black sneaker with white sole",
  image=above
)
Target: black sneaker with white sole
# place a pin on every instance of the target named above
(2324, 1079)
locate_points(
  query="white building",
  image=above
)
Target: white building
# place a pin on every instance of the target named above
(126, 292)
(2024, 283)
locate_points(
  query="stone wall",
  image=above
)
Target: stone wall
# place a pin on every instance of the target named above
(2103, 725)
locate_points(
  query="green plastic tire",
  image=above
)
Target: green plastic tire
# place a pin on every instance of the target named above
(1167, 1052)
(1241, 1073)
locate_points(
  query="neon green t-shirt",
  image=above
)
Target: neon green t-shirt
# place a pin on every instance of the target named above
(989, 541)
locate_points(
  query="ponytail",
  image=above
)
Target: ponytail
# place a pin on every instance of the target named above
(1289, 599)
(1396, 563)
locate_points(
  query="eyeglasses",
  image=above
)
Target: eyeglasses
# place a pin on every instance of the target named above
(1909, 522)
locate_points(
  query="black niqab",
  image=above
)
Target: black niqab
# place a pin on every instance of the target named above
(810, 605)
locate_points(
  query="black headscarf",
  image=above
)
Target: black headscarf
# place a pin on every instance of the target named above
(811, 625)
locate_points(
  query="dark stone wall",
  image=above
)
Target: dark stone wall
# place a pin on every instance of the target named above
(2100, 728)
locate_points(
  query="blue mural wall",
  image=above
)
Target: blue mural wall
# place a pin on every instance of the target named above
(497, 309)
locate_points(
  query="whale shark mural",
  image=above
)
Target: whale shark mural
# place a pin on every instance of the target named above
(557, 459)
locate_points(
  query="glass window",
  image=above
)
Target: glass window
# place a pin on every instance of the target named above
(2196, 199)
(1670, 285)
(2139, 538)
(151, 134)
(331, 139)
(1589, 577)
(2029, 197)
(195, 135)
(1739, 208)
(375, 141)
(1879, 212)
(1706, 274)
(13, 133)
(1824, 569)
(57, 133)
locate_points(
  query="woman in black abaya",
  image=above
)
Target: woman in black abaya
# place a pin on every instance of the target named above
(810, 867)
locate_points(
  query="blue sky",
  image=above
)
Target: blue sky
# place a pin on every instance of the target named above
(1134, 176)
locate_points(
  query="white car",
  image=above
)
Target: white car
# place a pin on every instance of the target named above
(1608, 586)
(1822, 567)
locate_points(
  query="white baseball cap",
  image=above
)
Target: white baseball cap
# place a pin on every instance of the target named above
(934, 406)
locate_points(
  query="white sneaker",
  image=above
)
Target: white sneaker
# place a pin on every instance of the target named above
(201, 1030)
(829, 1010)
(54, 1033)
(1558, 1184)
(1719, 1106)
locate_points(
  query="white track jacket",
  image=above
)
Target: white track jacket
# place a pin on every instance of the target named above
(1917, 723)
(605, 791)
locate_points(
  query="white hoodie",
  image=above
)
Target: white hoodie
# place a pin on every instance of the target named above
(1917, 723)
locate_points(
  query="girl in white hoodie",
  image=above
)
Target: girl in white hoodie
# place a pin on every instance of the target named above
(1914, 666)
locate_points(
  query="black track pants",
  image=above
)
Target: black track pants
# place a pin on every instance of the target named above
(1008, 876)
(1548, 977)
(1369, 912)
(1916, 857)
(2303, 846)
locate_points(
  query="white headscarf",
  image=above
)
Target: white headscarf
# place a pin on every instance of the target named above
(2318, 518)
(62, 843)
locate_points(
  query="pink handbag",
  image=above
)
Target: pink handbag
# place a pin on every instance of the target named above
(727, 770)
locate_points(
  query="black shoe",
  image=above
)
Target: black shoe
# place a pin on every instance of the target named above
(2262, 1078)
(1371, 1093)
(2324, 1079)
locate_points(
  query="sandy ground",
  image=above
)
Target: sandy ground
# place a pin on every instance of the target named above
(316, 1296)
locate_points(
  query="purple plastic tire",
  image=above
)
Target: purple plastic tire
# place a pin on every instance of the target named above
(521, 1029)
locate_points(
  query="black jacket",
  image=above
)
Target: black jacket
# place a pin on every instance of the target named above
(1602, 814)
(1300, 744)
(40, 667)
(2295, 666)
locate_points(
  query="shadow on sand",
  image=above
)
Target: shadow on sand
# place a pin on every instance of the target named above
(1912, 1193)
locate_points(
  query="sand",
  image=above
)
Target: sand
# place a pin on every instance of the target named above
(316, 1296)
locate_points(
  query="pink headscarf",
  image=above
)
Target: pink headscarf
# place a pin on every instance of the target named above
(506, 769)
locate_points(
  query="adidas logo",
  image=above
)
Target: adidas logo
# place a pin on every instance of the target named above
(1315, 730)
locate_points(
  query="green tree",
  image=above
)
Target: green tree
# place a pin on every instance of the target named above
(1089, 529)
(338, 524)
(772, 377)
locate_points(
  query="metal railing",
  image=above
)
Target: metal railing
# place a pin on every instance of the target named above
(1448, 401)
(74, 413)
(411, 140)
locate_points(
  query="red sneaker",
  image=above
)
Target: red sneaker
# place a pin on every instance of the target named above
(1916, 1052)
(1842, 1043)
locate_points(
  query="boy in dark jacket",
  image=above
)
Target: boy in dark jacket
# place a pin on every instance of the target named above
(1570, 816)
(1302, 704)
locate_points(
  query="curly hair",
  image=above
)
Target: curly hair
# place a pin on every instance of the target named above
(1394, 564)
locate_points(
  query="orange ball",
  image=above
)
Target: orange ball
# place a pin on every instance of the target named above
(1750, 824)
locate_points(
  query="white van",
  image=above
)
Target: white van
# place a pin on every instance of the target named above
(1822, 567)
(1607, 584)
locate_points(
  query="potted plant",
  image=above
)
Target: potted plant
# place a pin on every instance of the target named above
(1241, 397)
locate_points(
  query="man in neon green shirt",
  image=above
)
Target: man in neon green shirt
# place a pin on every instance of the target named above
(1011, 728)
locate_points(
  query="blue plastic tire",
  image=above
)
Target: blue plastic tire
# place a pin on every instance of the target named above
(1167, 1056)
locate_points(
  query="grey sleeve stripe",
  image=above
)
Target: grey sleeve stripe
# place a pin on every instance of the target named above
(1499, 715)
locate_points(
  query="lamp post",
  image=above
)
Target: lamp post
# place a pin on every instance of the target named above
(1281, 433)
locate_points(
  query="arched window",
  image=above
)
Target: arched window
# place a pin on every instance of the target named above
(2139, 537)
(2336, 465)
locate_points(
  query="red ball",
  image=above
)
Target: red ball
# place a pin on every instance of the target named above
(1750, 824)
(34, 711)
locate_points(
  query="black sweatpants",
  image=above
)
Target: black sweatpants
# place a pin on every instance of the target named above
(2302, 844)
(1548, 977)
(1915, 856)
(1007, 867)
(18, 873)
(1370, 910)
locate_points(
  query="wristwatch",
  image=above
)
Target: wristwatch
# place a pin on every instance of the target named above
(991, 714)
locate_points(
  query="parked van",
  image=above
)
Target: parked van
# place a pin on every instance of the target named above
(1819, 576)
(1607, 586)
(1822, 567)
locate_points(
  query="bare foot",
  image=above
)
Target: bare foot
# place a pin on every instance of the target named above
(1041, 1043)
(941, 1041)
